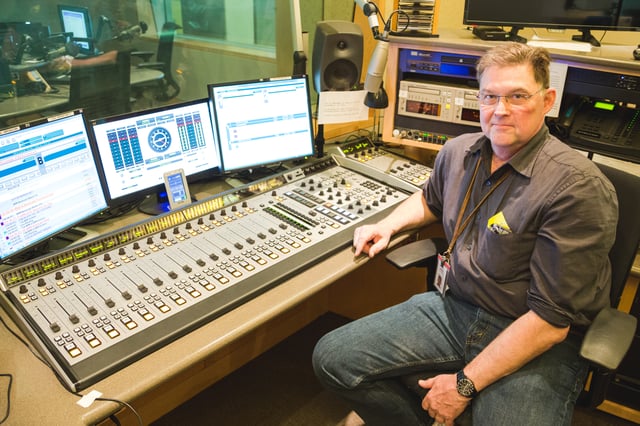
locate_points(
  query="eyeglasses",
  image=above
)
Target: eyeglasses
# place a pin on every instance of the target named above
(516, 99)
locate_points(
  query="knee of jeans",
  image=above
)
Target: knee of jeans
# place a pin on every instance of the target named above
(328, 362)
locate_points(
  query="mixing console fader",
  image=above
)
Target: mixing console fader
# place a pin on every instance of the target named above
(96, 307)
(363, 156)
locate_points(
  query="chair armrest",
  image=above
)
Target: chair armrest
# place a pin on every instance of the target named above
(417, 253)
(152, 65)
(608, 338)
(145, 55)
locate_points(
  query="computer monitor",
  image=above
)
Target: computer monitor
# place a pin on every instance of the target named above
(76, 20)
(49, 182)
(137, 148)
(582, 15)
(262, 122)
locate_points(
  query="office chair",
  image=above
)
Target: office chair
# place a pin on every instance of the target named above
(609, 337)
(166, 88)
(102, 89)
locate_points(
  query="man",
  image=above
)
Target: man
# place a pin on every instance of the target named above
(529, 223)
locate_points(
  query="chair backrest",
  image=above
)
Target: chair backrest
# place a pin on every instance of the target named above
(165, 43)
(625, 247)
(103, 89)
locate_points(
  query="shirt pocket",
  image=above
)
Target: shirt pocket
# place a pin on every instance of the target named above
(505, 257)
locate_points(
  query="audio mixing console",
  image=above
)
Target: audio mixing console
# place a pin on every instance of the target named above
(96, 307)
(363, 156)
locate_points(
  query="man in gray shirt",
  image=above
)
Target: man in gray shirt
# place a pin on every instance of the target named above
(529, 223)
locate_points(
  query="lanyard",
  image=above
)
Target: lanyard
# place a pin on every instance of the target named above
(460, 227)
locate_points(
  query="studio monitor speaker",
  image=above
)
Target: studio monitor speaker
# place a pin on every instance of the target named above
(337, 56)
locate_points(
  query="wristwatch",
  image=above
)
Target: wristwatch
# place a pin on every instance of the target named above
(465, 386)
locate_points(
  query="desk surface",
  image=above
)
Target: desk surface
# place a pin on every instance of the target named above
(23, 105)
(187, 365)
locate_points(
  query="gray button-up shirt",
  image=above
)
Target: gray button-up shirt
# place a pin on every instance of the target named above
(540, 241)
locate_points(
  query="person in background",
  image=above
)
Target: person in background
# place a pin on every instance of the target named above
(529, 223)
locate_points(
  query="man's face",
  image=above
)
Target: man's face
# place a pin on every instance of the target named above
(510, 123)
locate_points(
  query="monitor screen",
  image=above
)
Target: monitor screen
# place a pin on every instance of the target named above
(573, 14)
(137, 148)
(49, 181)
(262, 122)
(76, 20)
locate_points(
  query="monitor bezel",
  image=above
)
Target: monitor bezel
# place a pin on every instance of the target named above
(139, 196)
(271, 164)
(44, 242)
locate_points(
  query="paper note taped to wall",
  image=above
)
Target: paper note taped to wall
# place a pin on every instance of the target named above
(342, 107)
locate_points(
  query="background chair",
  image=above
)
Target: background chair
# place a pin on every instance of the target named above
(166, 88)
(102, 88)
(610, 335)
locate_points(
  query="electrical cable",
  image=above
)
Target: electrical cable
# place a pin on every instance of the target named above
(25, 343)
(8, 410)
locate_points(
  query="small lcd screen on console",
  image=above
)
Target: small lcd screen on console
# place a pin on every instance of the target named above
(49, 181)
(262, 122)
(136, 149)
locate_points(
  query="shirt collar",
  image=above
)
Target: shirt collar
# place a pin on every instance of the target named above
(523, 161)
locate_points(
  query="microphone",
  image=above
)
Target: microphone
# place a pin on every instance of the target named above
(377, 65)
(68, 49)
(129, 33)
(370, 10)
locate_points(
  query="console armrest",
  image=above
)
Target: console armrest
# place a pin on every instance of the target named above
(608, 338)
(417, 253)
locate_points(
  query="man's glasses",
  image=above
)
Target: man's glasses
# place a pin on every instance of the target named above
(515, 99)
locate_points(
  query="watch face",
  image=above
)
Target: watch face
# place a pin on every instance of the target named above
(465, 386)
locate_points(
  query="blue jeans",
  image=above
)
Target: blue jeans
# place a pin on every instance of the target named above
(363, 360)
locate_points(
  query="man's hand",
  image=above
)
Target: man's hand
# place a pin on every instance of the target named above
(443, 402)
(371, 239)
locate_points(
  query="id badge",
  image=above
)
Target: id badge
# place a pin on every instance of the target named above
(442, 272)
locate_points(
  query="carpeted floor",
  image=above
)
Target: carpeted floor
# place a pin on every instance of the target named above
(279, 389)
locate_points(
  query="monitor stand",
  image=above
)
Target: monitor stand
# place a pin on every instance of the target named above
(498, 34)
(156, 204)
(259, 173)
(587, 37)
